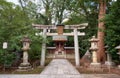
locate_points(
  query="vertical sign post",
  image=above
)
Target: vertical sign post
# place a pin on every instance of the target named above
(5, 45)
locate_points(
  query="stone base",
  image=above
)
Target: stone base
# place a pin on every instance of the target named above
(68, 56)
(60, 56)
(24, 67)
(98, 65)
(109, 63)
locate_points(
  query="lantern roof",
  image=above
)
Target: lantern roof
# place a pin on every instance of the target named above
(118, 47)
(118, 53)
(106, 47)
(94, 39)
(26, 39)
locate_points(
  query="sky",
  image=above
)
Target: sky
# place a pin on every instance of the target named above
(14, 1)
(17, 1)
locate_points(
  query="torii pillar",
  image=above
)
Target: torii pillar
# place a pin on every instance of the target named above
(76, 45)
(42, 62)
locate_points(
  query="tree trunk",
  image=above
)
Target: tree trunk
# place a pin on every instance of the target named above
(101, 50)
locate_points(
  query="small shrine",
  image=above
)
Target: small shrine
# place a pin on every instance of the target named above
(60, 43)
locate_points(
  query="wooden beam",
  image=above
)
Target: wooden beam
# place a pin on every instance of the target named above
(66, 34)
(79, 26)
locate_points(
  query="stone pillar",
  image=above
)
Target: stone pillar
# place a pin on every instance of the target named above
(94, 48)
(118, 47)
(76, 45)
(119, 59)
(43, 51)
(109, 60)
(25, 57)
(94, 57)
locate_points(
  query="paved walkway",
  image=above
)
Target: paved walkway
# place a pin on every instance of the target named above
(60, 68)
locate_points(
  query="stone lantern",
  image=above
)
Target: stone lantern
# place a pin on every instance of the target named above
(94, 48)
(25, 65)
(118, 47)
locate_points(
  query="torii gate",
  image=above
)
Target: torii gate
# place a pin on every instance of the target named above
(75, 33)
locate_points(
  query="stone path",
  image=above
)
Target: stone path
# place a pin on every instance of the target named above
(60, 68)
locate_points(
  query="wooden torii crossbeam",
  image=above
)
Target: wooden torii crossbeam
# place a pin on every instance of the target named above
(79, 26)
(75, 33)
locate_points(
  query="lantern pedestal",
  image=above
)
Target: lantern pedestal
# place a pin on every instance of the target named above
(95, 64)
(25, 65)
(94, 59)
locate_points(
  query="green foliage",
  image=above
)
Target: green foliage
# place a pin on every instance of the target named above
(84, 11)
(112, 21)
(35, 50)
(6, 58)
(15, 23)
